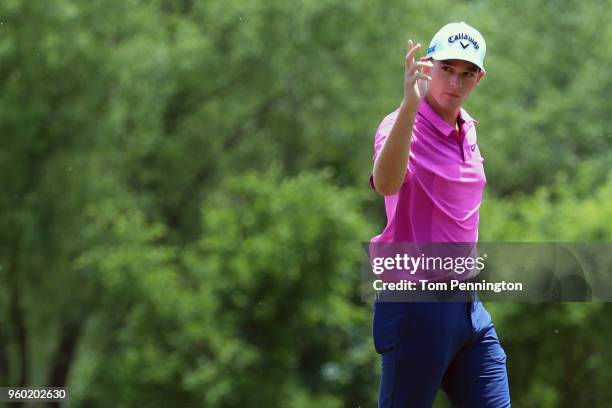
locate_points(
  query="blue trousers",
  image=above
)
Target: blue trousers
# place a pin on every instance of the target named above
(428, 345)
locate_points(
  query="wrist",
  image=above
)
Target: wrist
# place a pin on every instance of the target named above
(409, 106)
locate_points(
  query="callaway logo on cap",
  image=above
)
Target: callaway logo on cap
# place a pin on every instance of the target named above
(458, 41)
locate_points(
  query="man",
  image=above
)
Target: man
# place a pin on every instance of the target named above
(428, 166)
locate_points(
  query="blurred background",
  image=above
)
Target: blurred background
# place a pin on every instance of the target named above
(184, 192)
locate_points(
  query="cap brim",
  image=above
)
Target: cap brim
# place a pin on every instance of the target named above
(450, 55)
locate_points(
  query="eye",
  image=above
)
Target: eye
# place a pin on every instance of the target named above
(446, 68)
(469, 74)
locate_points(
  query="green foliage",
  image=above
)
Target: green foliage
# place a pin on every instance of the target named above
(547, 89)
(184, 192)
(563, 212)
(555, 360)
(232, 326)
(280, 257)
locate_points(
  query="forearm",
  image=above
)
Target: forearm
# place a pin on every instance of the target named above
(391, 162)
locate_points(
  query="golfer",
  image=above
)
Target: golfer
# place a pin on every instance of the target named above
(428, 166)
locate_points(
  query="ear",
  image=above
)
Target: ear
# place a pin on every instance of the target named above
(481, 75)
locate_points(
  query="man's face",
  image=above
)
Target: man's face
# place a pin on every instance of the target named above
(451, 83)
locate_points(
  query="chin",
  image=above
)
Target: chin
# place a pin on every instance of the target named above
(449, 104)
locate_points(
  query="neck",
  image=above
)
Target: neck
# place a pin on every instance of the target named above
(449, 116)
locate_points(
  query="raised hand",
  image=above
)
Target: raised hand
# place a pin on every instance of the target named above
(415, 77)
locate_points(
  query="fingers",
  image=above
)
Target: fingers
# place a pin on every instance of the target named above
(412, 49)
(420, 75)
(418, 70)
(417, 75)
(424, 64)
(425, 67)
(411, 65)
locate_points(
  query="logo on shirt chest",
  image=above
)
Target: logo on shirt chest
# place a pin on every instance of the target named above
(471, 139)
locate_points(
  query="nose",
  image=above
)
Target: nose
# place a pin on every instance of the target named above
(455, 81)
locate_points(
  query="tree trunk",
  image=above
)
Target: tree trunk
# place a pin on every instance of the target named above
(64, 354)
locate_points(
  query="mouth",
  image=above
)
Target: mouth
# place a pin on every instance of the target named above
(452, 95)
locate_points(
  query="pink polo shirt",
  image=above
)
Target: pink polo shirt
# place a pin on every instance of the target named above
(439, 200)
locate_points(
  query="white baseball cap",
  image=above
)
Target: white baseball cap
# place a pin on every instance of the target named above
(458, 41)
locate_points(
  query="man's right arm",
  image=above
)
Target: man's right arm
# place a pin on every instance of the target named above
(391, 163)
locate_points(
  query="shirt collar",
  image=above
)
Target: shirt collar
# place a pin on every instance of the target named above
(466, 116)
(432, 117)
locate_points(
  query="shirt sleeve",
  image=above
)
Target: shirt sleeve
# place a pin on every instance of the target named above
(380, 137)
